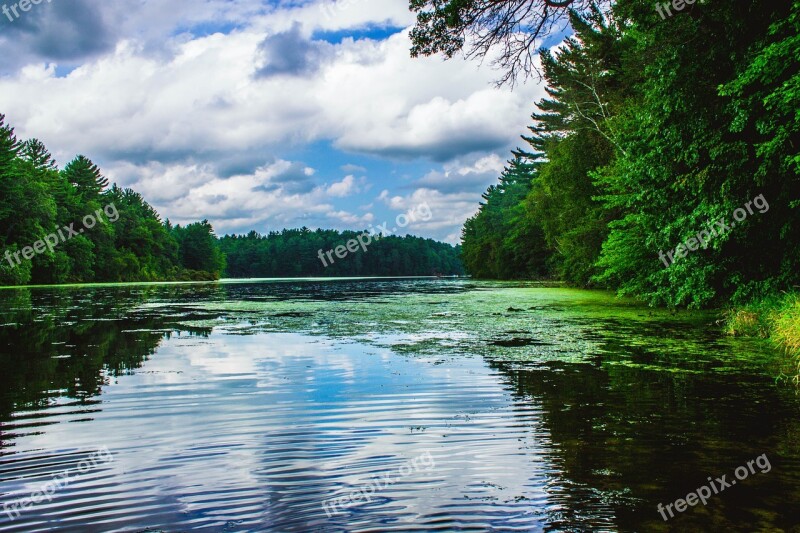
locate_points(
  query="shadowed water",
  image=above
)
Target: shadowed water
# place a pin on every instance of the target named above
(416, 404)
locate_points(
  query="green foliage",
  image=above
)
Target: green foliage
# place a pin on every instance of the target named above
(26, 209)
(84, 175)
(651, 131)
(776, 317)
(11, 274)
(562, 199)
(786, 325)
(198, 248)
(688, 161)
(543, 219)
(143, 246)
(129, 243)
(499, 241)
(296, 253)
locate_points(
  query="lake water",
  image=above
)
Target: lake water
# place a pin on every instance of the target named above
(383, 405)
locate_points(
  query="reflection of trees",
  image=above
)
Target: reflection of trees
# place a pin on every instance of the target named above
(625, 439)
(67, 343)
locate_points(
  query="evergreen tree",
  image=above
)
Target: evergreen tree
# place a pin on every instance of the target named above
(198, 248)
(36, 200)
(84, 175)
(652, 133)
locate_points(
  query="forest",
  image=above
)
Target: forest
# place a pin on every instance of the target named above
(295, 253)
(653, 130)
(38, 199)
(663, 125)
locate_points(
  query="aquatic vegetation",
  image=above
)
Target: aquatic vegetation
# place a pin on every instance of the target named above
(540, 404)
(523, 322)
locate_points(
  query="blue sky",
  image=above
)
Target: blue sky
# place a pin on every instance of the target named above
(262, 115)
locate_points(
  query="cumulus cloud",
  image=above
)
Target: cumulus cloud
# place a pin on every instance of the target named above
(337, 15)
(269, 198)
(290, 53)
(207, 108)
(71, 31)
(449, 211)
(343, 188)
(370, 98)
(460, 176)
(58, 30)
(440, 129)
(291, 177)
(351, 220)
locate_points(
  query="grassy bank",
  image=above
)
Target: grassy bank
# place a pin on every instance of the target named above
(776, 318)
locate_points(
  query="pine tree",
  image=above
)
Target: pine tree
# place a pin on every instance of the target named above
(85, 177)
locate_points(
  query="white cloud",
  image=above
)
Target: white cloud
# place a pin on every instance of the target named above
(351, 220)
(343, 188)
(184, 118)
(464, 175)
(353, 168)
(370, 97)
(270, 197)
(329, 15)
(449, 211)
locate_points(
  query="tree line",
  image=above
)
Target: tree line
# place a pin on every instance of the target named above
(37, 199)
(296, 253)
(652, 130)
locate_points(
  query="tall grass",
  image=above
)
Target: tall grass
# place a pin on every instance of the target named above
(776, 318)
(786, 327)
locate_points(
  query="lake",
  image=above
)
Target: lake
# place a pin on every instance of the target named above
(384, 405)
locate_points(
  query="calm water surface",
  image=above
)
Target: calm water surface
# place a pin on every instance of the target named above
(461, 405)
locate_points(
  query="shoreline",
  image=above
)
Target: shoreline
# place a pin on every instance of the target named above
(776, 318)
(220, 281)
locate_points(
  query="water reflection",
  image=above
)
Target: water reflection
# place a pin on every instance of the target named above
(244, 407)
(630, 439)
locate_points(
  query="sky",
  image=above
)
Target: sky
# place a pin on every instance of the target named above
(262, 115)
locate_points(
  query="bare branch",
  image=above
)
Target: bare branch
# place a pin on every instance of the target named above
(506, 31)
